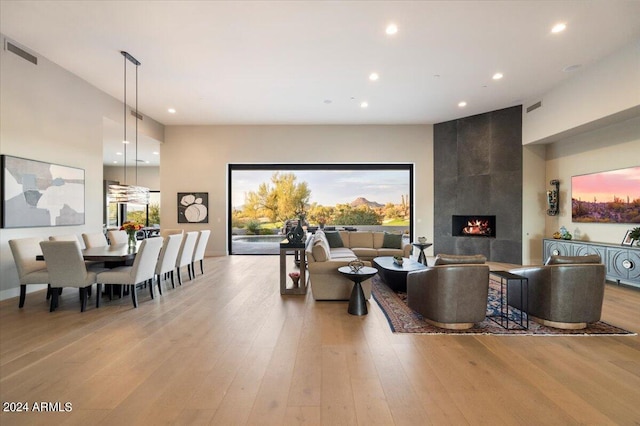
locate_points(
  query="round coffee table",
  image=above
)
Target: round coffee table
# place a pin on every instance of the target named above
(357, 302)
(394, 275)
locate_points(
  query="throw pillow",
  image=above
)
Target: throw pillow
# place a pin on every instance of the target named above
(392, 241)
(334, 239)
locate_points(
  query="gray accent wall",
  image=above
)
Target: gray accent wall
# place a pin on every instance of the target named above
(478, 171)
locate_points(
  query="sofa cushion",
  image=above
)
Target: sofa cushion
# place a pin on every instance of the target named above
(361, 240)
(366, 253)
(392, 241)
(320, 253)
(453, 259)
(390, 252)
(563, 260)
(334, 239)
(378, 239)
(341, 253)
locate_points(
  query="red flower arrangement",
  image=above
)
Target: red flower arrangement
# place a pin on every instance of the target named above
(130, 227)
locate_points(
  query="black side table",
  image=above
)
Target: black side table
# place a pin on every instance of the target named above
(503, 317)
(357, 302)
(422, 258)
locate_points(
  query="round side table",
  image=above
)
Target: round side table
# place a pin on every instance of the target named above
(422, 258)
(357, 302)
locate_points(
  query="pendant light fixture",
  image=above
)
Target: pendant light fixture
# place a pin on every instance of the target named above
(124, 193)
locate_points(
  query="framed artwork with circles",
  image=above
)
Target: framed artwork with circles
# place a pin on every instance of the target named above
(193, 207)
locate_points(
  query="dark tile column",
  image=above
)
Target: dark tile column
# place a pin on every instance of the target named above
(478, 171)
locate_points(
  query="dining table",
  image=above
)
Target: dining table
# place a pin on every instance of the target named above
(111, 253)
(115, 254)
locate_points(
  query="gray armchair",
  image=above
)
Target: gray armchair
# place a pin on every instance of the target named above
(562, 295)
(452, 296)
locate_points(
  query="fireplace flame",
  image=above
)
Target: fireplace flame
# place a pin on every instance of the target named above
(477, 227)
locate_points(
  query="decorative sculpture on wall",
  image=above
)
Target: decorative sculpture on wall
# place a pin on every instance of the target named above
(553, 199)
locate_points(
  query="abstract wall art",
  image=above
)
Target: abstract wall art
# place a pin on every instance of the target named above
(36, 193)
(193, 207)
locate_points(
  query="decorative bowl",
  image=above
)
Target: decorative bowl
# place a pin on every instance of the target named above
(356, 265)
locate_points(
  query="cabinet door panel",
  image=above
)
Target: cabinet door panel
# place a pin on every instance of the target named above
(634, 272)
(584, 250)
(618, 263)
(558, 248)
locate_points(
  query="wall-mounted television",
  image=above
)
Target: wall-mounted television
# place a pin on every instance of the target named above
(606, 197)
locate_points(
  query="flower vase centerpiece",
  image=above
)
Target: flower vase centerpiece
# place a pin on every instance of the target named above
(131, 229)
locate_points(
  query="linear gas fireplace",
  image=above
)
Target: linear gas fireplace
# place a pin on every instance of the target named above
(473, 226)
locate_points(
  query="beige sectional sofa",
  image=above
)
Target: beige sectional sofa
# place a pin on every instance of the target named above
(324, 260)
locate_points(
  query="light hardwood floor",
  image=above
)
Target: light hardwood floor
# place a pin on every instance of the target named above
(227, 349)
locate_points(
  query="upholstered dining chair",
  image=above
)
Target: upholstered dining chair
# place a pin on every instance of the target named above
(185, 255)
(67, 237)
(117, 237)
(170, 231)
(198, 252)
(167, 260)
(143, 270)
(67, 269)
(95, 239)
(30, 270)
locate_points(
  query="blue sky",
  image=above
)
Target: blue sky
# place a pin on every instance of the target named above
(329, 187)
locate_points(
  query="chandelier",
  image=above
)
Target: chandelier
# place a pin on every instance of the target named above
(124, 193)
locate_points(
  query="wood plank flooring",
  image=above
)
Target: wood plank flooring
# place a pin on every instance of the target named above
(227, 349)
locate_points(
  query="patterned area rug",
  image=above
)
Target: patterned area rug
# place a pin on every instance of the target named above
(402, 319)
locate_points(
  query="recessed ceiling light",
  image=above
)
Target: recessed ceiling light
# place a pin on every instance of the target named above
(172, 110)
(436, 76)
(327, 101)
(115, 162)
(497, 76)
(391, 29)
(125, 141)
(156, 153)
(559, 27)
(374, 76)
(147, 161)
(462, 104)
(118, 153)
(364, 105)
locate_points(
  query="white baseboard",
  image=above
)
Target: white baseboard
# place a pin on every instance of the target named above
(15, 292)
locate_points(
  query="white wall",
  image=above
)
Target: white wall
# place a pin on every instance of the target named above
(52, 115)
(195, 158)
(605, 89)
(534, 204)
(613, 147)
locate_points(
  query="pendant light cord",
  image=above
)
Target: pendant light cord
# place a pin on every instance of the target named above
(124, 141)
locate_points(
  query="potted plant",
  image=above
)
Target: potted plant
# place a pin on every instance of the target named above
(398, 260)
(635, 234)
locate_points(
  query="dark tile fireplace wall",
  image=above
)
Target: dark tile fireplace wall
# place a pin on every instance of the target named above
(478, 171)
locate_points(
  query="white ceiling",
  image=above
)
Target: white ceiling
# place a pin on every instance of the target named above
(276, 62)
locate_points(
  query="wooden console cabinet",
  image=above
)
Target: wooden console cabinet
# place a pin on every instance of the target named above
(622, 262)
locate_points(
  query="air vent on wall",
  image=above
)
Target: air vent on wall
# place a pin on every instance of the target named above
(21, 52)
(136, 115)
(534, 106)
